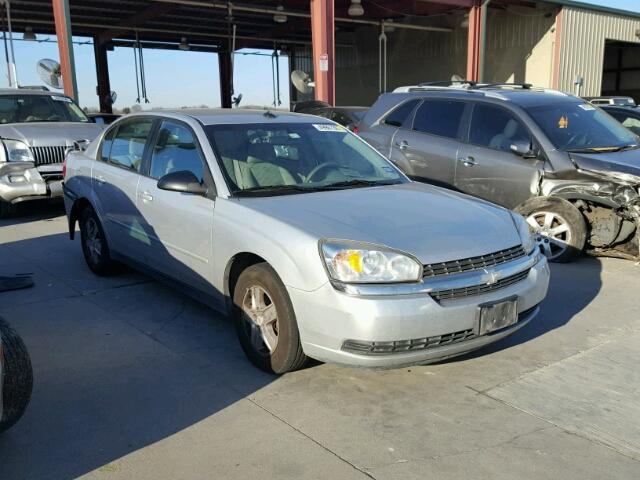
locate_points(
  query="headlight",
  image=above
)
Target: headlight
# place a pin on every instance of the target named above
(525, 231)
(17, 151)
(355, 262)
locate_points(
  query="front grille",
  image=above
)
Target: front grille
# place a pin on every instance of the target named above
(48, 155)
(419, 344)
(463, 292)
(473, 263)
(404, 346)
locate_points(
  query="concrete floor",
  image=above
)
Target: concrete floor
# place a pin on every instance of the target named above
(134, 381)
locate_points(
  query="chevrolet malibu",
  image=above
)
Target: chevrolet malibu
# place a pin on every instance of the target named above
(314, 243)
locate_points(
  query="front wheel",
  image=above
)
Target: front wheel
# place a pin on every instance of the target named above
(559, 228)
(265, 321)
(16, 379)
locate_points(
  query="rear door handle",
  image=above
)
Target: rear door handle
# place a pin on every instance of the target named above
(146, 197)
(468, 161)
(403, 145)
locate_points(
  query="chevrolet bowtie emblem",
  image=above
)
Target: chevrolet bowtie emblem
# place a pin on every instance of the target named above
(492, 277)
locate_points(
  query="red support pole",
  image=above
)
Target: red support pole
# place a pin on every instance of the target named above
(65, 46)
(323, 40)
(474, 42)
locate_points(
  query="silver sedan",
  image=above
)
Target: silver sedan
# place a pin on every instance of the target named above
(314, 243)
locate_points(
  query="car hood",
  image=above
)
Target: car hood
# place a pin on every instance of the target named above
(626, 163)
(42, 134)
(431, 223)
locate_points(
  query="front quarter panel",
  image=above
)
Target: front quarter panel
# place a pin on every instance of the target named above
(292, 252)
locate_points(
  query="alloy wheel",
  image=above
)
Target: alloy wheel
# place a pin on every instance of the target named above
(552, 233)
(261, 320)
(93, 240)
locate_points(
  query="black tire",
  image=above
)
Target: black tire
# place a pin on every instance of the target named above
(574, 238)
(287, 355)
(100, 262)
(17, 377)
(7, 210)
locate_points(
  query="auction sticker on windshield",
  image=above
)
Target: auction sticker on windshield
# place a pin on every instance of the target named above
(327, 127)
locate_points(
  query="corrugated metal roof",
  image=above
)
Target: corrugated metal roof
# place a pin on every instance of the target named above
(597, 8)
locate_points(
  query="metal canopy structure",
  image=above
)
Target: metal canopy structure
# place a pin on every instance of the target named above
(209, 25)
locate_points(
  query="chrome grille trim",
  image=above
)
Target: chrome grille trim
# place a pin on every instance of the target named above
(48, 155)
(454, 293)
(473, 263)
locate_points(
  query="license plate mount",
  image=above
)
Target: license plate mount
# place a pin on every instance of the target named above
(498, 315)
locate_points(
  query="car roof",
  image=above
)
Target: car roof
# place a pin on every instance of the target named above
(518, 96)
(221, 116)
(29, 91)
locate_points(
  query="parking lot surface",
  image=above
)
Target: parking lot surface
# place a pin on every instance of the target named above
(133, 380)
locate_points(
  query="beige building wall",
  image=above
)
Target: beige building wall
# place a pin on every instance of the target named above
(583, 44)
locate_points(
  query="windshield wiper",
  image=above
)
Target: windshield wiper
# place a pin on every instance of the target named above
(273, 190)
(356, 183)
(603, 149)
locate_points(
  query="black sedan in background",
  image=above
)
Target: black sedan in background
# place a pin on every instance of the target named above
(627, 116)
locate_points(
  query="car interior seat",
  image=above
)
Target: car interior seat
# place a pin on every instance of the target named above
(503, 140)
(263, 166)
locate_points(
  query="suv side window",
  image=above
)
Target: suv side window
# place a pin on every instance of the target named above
(496, 128)
(107, 141)
(127, 148)
(399, 116)
(175, 150)
(439, 117)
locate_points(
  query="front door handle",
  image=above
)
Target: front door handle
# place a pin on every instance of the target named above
(403, 145)
(468, 161)
(146, 197)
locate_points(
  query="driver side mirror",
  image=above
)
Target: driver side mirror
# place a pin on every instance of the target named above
(523, 149)
(183, 182)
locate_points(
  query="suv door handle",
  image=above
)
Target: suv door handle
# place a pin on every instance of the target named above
(468, 161)
(403, 145)
(146, 197)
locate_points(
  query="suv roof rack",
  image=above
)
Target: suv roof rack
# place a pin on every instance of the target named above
(447, 83)
(524, 86)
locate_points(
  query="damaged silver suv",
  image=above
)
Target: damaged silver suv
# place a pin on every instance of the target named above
(566, 165)
(36, 128)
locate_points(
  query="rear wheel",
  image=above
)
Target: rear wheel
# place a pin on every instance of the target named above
(94, 243)
(559, 228)
(265, 321)
(17, 376)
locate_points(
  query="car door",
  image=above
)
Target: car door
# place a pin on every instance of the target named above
(178, 225)
(380, 135)
(487, 165)
(428, 150)
(114, 179)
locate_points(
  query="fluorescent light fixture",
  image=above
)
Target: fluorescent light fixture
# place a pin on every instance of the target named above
(355, 9)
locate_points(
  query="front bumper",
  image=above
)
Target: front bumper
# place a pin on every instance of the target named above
(328, 318)
(19, 183)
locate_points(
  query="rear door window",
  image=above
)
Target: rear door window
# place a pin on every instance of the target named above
(496, 128)
(127, 148)
(439, 117)
(400, 116)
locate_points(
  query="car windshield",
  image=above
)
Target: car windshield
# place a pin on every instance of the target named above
(581, 127)
(39, 108)
(277, 158)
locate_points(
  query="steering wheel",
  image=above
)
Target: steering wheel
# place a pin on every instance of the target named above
(320, 168)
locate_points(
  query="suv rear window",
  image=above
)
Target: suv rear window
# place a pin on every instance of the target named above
(439, 117)
(399, 116)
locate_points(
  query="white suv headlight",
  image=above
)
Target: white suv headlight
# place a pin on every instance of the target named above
(525, 231)
(357, 262)
(17, 151)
